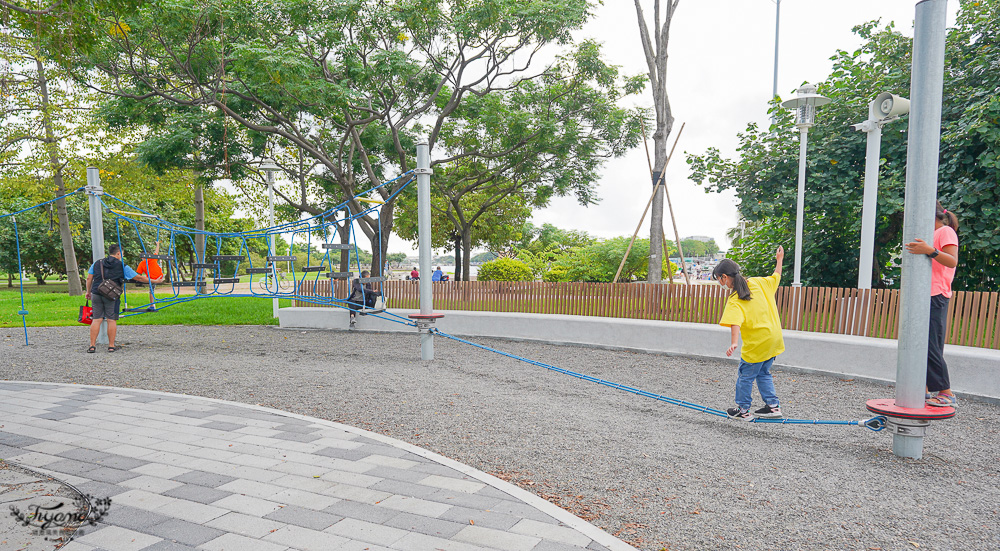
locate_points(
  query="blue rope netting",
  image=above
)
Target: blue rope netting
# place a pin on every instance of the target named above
(20, 270)
(271, 287)
(270, 283)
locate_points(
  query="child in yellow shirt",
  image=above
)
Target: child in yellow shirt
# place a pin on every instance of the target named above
(752, 312)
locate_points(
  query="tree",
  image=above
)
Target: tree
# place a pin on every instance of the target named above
(765, 170)
(43, 121)
(570, 123)
(696, 247)
(483, 257)
(655, 49)
(40, 248)
(396, 259)
(351, 84)
(549, 237)
(599, 261)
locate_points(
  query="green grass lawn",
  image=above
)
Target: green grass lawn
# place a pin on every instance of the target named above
(47, 309)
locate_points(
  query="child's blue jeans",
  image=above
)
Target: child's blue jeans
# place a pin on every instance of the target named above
(760, 372)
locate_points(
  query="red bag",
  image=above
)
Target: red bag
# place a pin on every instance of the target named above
(85, 314)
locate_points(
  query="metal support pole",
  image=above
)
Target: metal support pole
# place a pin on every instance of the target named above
(94, 193)
(270, 223)
(800, 204)
(777, 20)
(424, 237)
(923, 148)
(869, 205)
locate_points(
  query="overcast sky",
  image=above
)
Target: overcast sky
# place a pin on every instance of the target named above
(720, 77)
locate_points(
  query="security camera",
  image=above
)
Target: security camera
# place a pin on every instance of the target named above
(888, 105)
(859, 127)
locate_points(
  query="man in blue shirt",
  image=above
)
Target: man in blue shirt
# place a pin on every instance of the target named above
(111, 267)
(436, 276)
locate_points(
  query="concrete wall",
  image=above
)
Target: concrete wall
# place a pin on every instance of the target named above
(975, 372)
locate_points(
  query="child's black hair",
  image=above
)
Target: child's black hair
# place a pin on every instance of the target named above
(731, 269)
(946, 217)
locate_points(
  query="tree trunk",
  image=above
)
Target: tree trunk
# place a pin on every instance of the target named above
(345, 238)
(10, 280)
(380, 239)
(467, 249)
(461, 274)
(655, 50)
(55, 164)
(199, 238)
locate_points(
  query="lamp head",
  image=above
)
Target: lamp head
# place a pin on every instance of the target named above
(267, 165)
(804, 103)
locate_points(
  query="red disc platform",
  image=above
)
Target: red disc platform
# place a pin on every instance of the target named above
(888, 407)
(426, 316)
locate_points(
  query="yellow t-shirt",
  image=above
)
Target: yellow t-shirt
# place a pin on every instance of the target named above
(760, 326)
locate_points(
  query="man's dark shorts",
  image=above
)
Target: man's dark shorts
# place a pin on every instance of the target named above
(104, 307)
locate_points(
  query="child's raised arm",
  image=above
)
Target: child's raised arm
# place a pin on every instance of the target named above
(779, 256)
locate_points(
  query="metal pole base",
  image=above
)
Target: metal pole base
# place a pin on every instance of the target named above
(907, 436)
(102, 334)
(426, 345)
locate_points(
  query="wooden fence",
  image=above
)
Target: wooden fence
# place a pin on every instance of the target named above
(973, 317)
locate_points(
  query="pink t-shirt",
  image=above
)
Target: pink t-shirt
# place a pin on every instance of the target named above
(941, 275)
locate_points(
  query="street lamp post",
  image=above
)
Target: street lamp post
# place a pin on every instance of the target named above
(268, 166)
(805, 103)
(884, 109)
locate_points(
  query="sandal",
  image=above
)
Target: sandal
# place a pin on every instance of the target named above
(112, 348)
(943, 400)
(91, 350)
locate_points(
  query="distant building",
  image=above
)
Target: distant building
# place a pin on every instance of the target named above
(702, 238)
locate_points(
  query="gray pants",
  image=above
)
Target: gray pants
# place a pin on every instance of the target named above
(104, 307)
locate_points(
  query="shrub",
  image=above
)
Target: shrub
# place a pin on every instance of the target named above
(557, 274)
(504, 269)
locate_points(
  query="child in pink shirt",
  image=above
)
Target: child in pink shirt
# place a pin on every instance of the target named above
(944, 255)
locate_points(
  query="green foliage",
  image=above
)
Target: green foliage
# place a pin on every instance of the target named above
(50, 309)
(351, 85)
(505, 269)
(754, 251)
(600, 260)
(483, 257)
(557, 274)
(41, 249)
(764, 175)
(396, 259)
(549, 237)
(539, 262)
(695, 247)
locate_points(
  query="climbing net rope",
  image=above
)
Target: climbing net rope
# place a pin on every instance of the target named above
(228, 257)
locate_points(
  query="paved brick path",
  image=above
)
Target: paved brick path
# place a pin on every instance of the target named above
(192, 473)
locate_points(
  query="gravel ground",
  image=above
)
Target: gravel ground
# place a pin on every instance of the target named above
(656, 475)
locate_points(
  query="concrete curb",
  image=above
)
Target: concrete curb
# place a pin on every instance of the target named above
(563, 516)
(975, 372)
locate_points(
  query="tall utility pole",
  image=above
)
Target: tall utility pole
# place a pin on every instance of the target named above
(655, 48)
(922, 150)
(777, 20)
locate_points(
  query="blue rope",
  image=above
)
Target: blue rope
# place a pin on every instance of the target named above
(874, 423)
(77, 190)
(20, 278)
